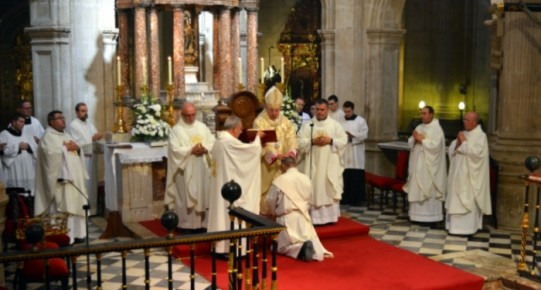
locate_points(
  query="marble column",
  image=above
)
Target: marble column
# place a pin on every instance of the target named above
(140, 61)
(123, 49)
(328, 62)
(226, 79)
(235, 49)
(517, 134)
(178, 52)
(215, 51)
(252, 80)
(382, 81)
(154, 71)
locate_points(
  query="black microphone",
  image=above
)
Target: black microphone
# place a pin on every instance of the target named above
(64, 180)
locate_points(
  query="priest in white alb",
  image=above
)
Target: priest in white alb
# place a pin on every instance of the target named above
(60, 176)
(19, 155)
(85, 134)
(468, 184)
(238, 161)
(427, 170)
(289, 201)
(33, 127)
(323, 141)
(271, 118)
(188, 170)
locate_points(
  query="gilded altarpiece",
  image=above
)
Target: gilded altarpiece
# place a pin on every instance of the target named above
(300, 46)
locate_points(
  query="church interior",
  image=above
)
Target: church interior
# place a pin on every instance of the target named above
(388, 57)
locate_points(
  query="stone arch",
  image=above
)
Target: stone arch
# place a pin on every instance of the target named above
(386, 14)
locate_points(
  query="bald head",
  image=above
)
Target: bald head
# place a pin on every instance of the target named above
(188, 113)
(471, 120)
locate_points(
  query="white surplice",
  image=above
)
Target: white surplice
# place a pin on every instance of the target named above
(338, 115)
(188, 176)
(233, 160)
(54, 161)
(354, 151)
(468, 184)
(288, 199)
(427, 179)
(324, 166)
(82, 132)
(19, 165)
(34, 129)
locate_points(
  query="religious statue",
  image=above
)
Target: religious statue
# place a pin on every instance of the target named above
(190, 52)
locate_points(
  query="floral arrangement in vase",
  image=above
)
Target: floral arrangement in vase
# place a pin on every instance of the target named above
(289, 110)
(149, 126)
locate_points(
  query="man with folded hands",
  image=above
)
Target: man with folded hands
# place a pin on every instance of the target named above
(272, 119)
(288, 200)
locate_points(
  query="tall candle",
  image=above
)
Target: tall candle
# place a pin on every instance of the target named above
(144, 71)
(169, 70)
(118, 70)
(262, 69)
(282, 70)
(240, 70)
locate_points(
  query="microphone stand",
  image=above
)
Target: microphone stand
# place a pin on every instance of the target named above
(86, 208)
(311, 145)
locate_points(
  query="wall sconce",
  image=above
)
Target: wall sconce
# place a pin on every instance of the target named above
(461, 107)
(422, 104)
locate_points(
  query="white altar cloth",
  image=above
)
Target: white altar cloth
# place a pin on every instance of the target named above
(115, 156)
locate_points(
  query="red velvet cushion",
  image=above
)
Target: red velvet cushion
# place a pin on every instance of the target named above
(48, 245)
(368, 177)
(62, 240)
(401, 170)
(397, 187)
(383, 182)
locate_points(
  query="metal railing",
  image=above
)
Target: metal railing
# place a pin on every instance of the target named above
(257, 228)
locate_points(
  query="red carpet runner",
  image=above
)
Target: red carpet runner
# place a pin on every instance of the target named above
(360, 262)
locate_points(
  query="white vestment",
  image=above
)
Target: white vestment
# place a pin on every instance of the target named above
(427, 178)
(468, 184)
(233, 160)
(53, 162)
(324, 166)
(188, 176)
(354, 151)
(34, 129)
(288, 199)
(305, 118)
(338, 115)
(19, 165)
(82, 132)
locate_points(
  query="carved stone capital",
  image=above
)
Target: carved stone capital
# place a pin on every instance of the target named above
(385, 36)
(48, 35)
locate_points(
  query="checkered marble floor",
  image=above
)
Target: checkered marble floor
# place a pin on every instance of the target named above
(387, 226)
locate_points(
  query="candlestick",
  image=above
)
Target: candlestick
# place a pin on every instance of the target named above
(118, 70)
(240, 70)
(262, 69)
(282, 70)
(144, 60)
(169, 70)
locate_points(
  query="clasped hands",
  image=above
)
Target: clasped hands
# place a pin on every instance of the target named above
(460, 138)
(71, 146)
(418, 137)
(271, 157)
(321, 141)
(199, 150)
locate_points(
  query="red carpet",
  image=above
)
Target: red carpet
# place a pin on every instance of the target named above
(360, 262)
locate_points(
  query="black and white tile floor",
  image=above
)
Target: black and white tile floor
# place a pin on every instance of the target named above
(387, 226)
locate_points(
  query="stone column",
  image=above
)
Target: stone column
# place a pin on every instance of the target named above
(252, 83)
(109, 80)
(382, 81)
(235, 49)
(123, 49)
(154, 71)
(328, 62)
(226, 89)
(215, 52)
(178, 52)
(140, 61)
(517, 133)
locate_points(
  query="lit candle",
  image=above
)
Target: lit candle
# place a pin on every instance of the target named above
(144, 71)
(282, 70)
(240, 70)
(170, 70)
(118, 70)
(262, 69)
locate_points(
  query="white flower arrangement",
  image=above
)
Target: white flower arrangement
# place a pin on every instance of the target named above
(289, 110)
(148, 124)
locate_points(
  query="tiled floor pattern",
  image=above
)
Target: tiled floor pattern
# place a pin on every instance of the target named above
(387, 226)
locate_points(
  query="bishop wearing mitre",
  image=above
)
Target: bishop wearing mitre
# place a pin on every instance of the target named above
(272, 119)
